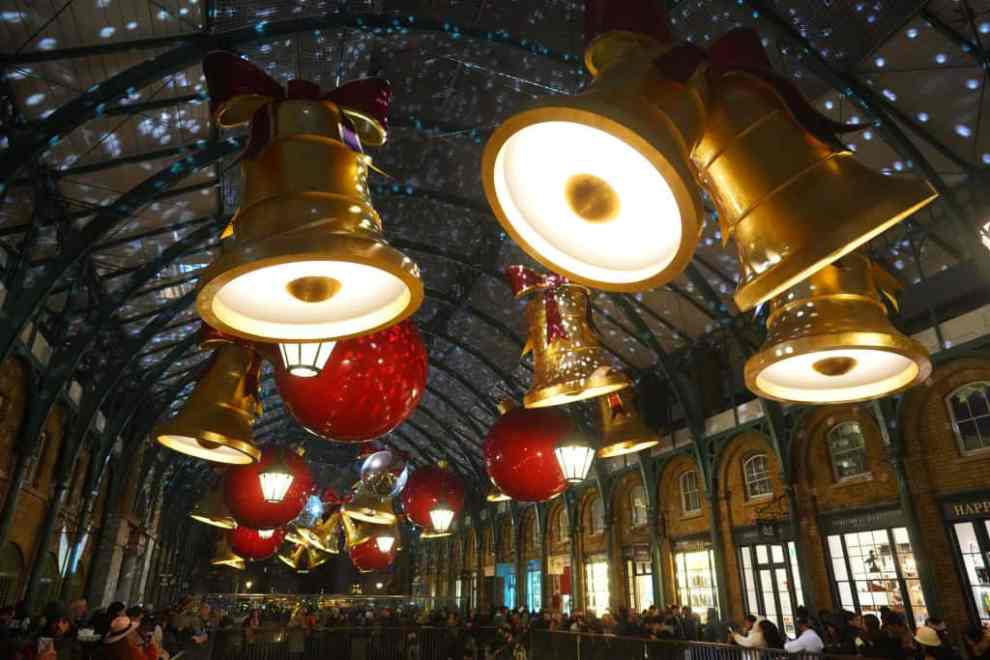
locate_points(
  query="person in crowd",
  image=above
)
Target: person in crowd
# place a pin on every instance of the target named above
(751, 635)
(976, 639)
(191, 633)
(79, 613)
(297, 632)
(251, 625)
(929, 644)
(691, 624)
(892, 624)
(102, 619)
(807, 640)
(772, 638)
(53, 641)
(117, 643)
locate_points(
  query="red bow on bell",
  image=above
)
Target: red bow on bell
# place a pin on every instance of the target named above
(524, 280)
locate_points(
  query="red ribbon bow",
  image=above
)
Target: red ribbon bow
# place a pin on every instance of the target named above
(523, 280)
(615, 405)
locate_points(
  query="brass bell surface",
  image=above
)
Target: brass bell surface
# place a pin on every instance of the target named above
(215, 422)
(358, 531)
(212, 510)
(599, 186)
(569, 368)
(324, 535)
(367, 507)
(301, 558)
(304, 258)
(792, 203)
(829, 340)
(622, 427)
(224, 556)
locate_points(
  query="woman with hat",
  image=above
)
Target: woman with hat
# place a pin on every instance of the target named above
(929, 643)
(119, 643)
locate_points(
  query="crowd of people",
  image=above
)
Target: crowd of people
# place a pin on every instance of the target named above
(193, 628)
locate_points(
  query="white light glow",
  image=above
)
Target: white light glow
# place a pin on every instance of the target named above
(875, 372)
(217, 453)
(306, 360)
(575, 461)
(441, 516)
(266, 533)
(384, 544)
(259, 303)
(531, 174)
(275, 483)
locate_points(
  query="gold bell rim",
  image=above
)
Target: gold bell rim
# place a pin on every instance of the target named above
(223, 522)
(318, 245)
(241, 452)
(685, 192)
(879, 342)
(573, 391)
(372, 516)
(626, 447)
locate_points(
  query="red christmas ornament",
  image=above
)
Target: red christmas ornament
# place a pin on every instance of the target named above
(425, 487)
(367, 557)
(242, 491)
(519, 453)
(248, 543)
(331, 498)
(369, 385)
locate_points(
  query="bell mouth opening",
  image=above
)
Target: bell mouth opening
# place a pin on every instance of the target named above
(233, 452)
(591, 198)
(626, 447)
(569, 393)
(215, 521)
(313, 288)
(834, 366)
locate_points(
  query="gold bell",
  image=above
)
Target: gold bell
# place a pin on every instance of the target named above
(623, 430)
(792, 203)
(569, 363)
(301, 558)
(599, 186)
(212, 510)
(304, 258)
(357, 531)
(366, 506)
(829, 340)
(224, 556)
(324, 535)
(215, 423)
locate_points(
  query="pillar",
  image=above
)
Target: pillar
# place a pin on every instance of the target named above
(656, 561)
(127, 574)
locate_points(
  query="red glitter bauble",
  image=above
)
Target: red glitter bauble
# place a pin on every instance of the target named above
(247, 543)
(369, 385)
(242, 491)
(366, 556)
(425, 487)
(519, 453)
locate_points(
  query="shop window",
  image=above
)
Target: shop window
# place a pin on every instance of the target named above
(772, 583)
(596, 580)
(973, 544)
(534, 586)
(697, 586)
(847, 449)
(756, 471)
(690, 492)
(970, 411)
(876, 569)
(596, 515)
(637, 506)
(640, 573)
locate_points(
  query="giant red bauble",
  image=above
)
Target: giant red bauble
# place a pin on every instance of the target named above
(369, 385)
(425, 487)
(519, 453)
(242, 491)
(366, 556)
(248, 544)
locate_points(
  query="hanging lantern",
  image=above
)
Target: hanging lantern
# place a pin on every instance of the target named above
(301, 558)
(213, 511)
(385, 542)
(304, 258)
(829, 340)
(246, 500)
(623, 430)
(275, 479)
(368, 507)
(224, 556)
(215, 422)
(370, 385)
(575, 454)
(384, 473)
(598, 186)
(305, 360)
(249, 544)
(569, 363)
(519, 453)
(441, 516)
(426, 487)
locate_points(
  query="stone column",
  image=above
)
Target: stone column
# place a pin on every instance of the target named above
(106, 561)
(128, 572)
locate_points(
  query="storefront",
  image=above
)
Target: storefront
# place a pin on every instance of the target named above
(695, 576)
(968, 519)
(872, 565)
(534, 586)
(769, 573)
(639, 577)
(596, 583)
(506, 574)
(559, 582)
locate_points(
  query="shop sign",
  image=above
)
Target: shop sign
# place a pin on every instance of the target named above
(762, 532)
(861, 522)
(974, 507)
(692, 545)
(636, 552)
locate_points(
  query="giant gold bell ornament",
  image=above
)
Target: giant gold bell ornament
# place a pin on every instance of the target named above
(215, 422)
(357, 531)
(301, 558)
(830, 341)
(304, 259)
(622, 428)
(368, 507)
(569, 363)
(598, 186)
(324, 535)
(212, 510)
(224, 556)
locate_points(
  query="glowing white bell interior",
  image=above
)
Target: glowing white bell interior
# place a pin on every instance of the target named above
(258, 302)
(873, 374)
(441, 516)
(275, 482)
(306, 360)
(385, 543)
(575, 461)
(533, 170)
(187, 444)
(266, 533)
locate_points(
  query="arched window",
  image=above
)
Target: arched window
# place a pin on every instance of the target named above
(690, 492)
(596, 515)
(847, 449)
(756, 472)
(637, 505)
(969, 407)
